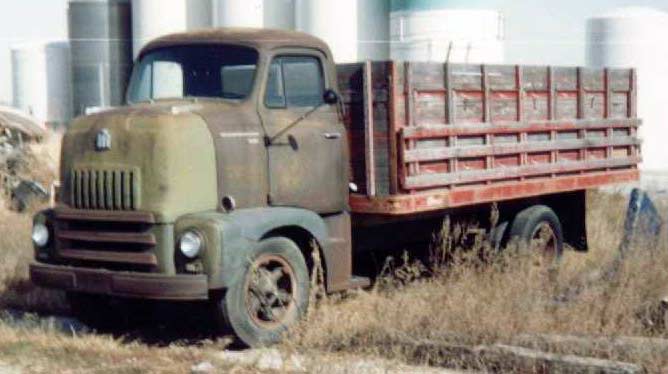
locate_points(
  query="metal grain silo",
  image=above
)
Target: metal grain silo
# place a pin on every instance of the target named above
(634, 37)
(373, 30)
(275, 14)
(100, 38)
(355, 30)
(428, 30)
(155, 18)
(41, 81)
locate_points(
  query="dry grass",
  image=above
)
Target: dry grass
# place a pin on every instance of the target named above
(474, 304)
(470, 301)
(43, 350)
(39, 163)
(16, 291)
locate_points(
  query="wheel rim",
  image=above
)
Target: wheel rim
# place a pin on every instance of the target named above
(270, 291)
(544, 239)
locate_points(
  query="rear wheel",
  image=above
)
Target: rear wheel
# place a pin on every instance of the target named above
(270, 294)
(538, 227)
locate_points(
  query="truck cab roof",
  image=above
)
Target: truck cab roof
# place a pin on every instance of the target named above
(260, 39)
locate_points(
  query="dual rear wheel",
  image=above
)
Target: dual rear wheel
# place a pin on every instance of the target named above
(539, 228)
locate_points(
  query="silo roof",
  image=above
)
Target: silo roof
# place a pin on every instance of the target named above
(634, 12)
(421, 5)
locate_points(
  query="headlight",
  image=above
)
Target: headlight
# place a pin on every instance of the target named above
(191, 244)
(40, 235)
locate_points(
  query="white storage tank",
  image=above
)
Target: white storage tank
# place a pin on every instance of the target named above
(101, 43)
(155, 18)
(634, 37)
(427, 30)
(41, 80)
(356, 30)
(273, 14)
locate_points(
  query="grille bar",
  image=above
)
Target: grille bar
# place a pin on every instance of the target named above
(107, 237)
(64, 214)
(148, 259)
(116, 189)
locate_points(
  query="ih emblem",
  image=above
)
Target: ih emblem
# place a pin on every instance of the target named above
(103, 140)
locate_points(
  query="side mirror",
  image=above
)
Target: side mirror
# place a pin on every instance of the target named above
(330, 97)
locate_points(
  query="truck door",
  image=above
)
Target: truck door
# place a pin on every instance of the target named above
(307, 163)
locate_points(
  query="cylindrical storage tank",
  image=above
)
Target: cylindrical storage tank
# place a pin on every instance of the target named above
(270, 14)
(238, 13)
(101, 42)
(355, 30)
(373, 30)
(41, 80)
(154, 18)
(633, 37)
(427, 30)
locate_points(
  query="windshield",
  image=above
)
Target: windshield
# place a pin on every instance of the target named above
(215, 71)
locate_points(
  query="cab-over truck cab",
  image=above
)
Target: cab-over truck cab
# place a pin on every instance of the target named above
(226, 170)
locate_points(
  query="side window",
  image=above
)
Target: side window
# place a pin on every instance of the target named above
(295, 81)
(275, 95)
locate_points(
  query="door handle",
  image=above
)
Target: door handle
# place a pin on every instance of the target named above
(332, 135)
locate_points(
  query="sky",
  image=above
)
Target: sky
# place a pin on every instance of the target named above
(23, 21)
(537, 31)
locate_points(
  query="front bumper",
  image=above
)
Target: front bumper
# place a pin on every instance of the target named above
(121, 284)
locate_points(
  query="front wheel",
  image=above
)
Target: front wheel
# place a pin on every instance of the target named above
(270, 294)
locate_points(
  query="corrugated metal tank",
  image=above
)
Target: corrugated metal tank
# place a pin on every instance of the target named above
(634, 37)
(355, 30)
(101, 42)
(155, 18)
(428, 30)
(274, 14)
(41, 80)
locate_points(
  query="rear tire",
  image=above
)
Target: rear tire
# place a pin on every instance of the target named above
(270, 294)
(539, 228)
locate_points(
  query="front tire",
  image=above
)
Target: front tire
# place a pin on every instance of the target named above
(270, 294)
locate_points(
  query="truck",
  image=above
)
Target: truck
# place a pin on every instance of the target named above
(244, 154)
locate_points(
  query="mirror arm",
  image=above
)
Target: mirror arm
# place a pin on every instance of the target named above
(269, 140)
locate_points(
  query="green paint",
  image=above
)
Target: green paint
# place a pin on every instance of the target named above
(172, 156)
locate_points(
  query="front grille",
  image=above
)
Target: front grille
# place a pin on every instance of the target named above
(109, 189)
(111, 240)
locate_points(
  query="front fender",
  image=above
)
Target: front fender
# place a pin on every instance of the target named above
(229, 235)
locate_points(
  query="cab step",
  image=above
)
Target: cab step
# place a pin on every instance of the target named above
(358, 282)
